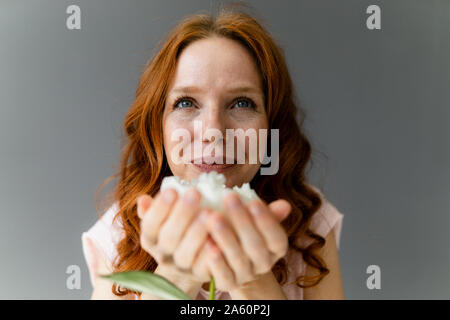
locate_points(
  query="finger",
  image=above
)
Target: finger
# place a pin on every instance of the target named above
(177, 222)
(155, 216)
(192, 242)
(223, 276)
(249, 237)
(226, 240)
(273, 233)
(143, 204)
(280, 209)
(200, 266)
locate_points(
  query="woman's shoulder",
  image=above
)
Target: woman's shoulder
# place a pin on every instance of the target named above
(327, 218)
(106, 232)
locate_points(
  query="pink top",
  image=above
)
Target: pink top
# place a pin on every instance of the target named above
(104, 235)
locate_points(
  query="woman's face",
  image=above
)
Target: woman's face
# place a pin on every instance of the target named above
(216, 86)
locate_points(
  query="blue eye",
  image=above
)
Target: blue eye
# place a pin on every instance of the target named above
(239, 103)
(183, 103)
(244, 103)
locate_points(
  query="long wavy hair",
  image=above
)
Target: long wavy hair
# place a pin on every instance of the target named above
(143, 161)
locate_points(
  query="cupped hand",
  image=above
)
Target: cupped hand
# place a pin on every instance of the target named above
(185, 239)
(247, 242)
(173, 232)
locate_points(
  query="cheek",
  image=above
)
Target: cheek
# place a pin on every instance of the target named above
(259, 128)
(167, 129)
(248, 120)
(177, 136)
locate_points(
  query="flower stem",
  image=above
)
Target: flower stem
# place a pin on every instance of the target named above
(212, 289)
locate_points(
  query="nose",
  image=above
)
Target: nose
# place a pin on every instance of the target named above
(213, 124)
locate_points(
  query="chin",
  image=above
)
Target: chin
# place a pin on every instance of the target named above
(237, 178)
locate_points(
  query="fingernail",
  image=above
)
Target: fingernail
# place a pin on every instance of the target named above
(142, 201)
(256, 209)
(191, 196)
(218, 224)
(203, 216)
(168, 196)
(139, 200)
(286, 206)
(234, 202)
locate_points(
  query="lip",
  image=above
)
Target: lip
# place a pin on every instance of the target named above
(204, 167)
(214, 161)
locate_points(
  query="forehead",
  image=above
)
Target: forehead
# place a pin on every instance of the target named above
(216, 64)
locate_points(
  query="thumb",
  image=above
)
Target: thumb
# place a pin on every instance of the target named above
(143, 204)
(280, 209)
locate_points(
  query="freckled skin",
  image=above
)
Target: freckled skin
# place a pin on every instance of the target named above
(214, 65)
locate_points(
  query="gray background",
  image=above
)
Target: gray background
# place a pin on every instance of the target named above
(377, 102)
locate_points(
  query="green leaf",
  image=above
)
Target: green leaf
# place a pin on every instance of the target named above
(148, 282)
(212, 289)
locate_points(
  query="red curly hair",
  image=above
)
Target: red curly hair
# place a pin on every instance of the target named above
(144, 164)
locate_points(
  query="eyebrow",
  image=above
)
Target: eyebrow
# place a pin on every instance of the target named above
(194, 89)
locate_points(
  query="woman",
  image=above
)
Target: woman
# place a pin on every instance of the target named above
(223, 72)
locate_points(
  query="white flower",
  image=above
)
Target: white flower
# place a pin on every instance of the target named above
(212, 188)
